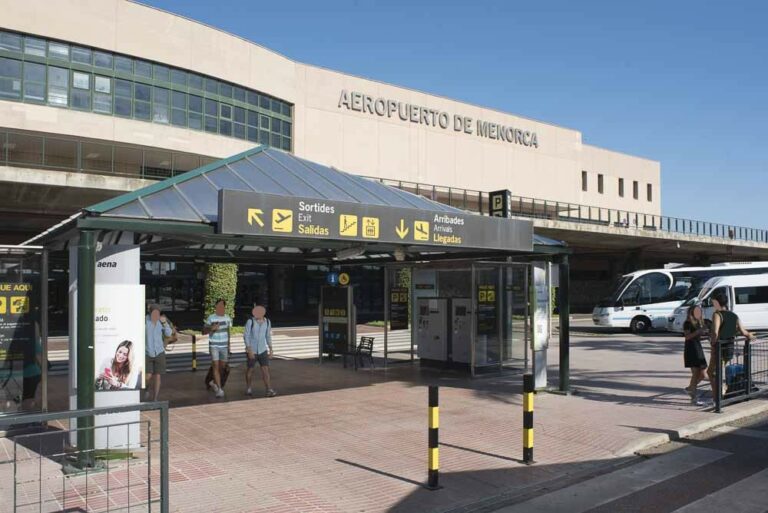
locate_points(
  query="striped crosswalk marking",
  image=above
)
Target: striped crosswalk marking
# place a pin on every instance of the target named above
(750, 495)
(615, 485)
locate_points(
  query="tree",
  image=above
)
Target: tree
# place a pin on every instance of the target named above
(220, 283)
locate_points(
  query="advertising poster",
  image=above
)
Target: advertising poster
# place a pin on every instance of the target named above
(20, 350)
(398, 308)
(119, 338)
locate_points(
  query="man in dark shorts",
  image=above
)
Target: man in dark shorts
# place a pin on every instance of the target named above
(258, 346)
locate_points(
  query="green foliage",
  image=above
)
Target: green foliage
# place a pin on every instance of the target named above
(403, 278)
(553, 295)
(220, 282)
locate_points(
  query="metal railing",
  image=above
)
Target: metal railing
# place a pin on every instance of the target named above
(21, 149)
(741, 370)
(477, 201)
(47, 473)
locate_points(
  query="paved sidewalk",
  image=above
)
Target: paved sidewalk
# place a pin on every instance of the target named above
(360, 443)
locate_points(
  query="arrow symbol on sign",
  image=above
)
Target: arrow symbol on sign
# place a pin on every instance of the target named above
(401, 230)
(253, 215)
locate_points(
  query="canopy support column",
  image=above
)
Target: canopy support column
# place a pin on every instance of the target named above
(564, 308)
(86, 290)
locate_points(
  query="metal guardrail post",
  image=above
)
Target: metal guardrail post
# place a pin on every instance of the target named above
(718, 356)
(194, 352)
(748, 365)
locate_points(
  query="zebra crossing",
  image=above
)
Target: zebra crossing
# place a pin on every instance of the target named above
(179, 355)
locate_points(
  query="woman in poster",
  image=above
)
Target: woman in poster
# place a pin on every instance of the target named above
(117, 373)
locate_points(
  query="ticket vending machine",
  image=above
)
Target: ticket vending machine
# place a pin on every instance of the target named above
(432, 329)
(461, 330)
(444, 330)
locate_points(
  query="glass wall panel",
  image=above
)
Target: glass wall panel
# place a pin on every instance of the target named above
(58, 51)
(60, 153)
(82, 55)
(96, 157)
(157, 164)
(25, 149)
(124, 64)
(35, 47)
(128, 161)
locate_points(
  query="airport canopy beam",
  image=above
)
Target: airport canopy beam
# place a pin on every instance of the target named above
(268, 206)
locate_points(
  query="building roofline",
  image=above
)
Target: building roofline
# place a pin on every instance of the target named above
(352, 75)
(624, 153)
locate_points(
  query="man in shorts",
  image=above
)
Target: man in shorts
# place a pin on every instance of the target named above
(258, 346)
(157, 327)
(217, 327)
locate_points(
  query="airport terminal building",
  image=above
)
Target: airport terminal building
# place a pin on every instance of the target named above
(99, 97)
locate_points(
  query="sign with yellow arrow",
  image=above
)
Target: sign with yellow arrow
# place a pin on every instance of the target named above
(243, 213)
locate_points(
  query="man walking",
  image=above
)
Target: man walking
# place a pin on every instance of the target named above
(258, 346)
(157, 327)
(217, 327)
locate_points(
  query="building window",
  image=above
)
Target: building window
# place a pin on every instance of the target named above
(621, 187)
(649, 191)
(58, 86)
(63, 74)
(584, 181)
(600, 183)
(635, 190)
(10, 78)
(81, 90)
(34, 82)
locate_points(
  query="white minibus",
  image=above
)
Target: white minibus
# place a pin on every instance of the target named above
(647, 299)
(747, 298)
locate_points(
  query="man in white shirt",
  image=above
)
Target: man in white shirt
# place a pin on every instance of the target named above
(258, 346)
(217, 327)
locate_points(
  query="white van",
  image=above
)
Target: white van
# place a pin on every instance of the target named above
(747, 298)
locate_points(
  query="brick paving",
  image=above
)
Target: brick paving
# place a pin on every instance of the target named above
(340, 441)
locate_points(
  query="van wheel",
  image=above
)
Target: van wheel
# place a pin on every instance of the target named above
(640, 324)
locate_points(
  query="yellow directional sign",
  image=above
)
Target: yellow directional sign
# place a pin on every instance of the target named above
(371, 227)
(19, 304)
(282, 220)
(421, 230)
(343, 279)
(402, 230)
(348, 225)
(3, 305)
(253, 215)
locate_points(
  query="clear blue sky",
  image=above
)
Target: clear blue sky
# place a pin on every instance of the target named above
(682, 82)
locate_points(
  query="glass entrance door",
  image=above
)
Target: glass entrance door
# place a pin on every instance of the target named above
(500, 322)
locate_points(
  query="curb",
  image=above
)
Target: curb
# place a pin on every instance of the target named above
(747, 409)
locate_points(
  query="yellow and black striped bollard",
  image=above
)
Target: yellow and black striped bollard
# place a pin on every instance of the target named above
(434, 450)
(528, 388)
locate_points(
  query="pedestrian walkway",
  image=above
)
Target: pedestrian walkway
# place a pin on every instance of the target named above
(338, 440)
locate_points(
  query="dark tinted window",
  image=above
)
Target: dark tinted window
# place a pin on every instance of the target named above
(649, 288)
(751, 295)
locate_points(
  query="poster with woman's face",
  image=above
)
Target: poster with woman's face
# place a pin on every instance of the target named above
(119, 337)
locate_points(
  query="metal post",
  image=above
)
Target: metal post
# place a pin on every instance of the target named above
(528, 389)
(386, 315)
(718, 375)
(164, 457)
(86, 289)
(748, 366)
(44, 327)
(194, 352)
(433, 435)
(472, 341)
(564, 309)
